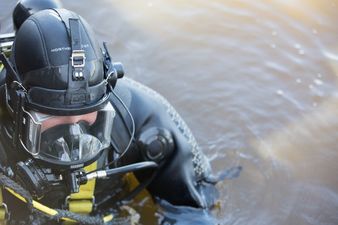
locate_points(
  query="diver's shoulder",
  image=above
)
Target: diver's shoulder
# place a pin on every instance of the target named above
(139, 91)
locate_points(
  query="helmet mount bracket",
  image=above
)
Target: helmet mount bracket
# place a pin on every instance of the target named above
(113, 71)
(17, 98)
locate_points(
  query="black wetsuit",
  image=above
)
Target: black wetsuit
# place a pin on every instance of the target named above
(160, 135)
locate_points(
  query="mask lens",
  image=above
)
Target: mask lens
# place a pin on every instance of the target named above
(69, 143)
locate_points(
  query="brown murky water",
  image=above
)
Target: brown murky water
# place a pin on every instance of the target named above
(257, 83)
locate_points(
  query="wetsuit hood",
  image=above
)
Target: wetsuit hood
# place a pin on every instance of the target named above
(60, 64)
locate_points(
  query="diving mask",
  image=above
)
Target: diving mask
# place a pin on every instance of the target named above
(60, 141)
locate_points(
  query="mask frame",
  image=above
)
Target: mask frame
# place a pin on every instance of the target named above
(31, 136)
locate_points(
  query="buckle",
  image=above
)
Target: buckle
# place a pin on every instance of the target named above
(7, 215)
(78, 58)
(68, 199)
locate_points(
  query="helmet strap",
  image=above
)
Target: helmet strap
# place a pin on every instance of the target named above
(77, 91)
(78, 57)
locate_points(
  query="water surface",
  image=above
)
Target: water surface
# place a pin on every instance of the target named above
(256, 81)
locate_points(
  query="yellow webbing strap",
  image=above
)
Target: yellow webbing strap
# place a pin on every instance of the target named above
(83, 201)
(132, 183)
(3, 210)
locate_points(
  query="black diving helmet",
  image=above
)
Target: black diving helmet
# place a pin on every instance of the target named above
(59, 74)
(67, 140)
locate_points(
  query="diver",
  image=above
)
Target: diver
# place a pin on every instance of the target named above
(72, 127)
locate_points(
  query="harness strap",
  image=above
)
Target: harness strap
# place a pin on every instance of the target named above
(83, 201)
(3, 210)
(133, 184)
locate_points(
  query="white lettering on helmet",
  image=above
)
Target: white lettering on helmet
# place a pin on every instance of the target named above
(60, 49)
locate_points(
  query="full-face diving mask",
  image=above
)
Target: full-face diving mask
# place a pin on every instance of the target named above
(66, 144)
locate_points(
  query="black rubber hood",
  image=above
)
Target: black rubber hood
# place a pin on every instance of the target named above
(42, 56)
(26, 8)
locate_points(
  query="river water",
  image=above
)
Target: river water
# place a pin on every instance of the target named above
(256, 81)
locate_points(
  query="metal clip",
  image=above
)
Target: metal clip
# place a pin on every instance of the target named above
(7, 214)
(78, 58)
